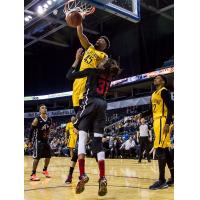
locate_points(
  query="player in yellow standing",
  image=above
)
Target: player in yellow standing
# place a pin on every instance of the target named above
(162, 110)
(71, 136)
(94, 54)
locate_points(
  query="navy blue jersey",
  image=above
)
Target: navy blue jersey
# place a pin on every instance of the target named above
(43, 128)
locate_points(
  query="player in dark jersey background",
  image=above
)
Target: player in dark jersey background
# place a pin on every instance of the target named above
(92, 117)
(39, 133)
(79, 57)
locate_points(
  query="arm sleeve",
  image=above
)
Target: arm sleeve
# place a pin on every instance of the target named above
(33, 128)
(73, 74)
(169, 104)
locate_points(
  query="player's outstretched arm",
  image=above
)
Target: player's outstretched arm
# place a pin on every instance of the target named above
(83, 39)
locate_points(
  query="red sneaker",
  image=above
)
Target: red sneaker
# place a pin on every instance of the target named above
(34, 178)
(46, 173)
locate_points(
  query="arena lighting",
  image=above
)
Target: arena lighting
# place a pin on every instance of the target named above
(30, 17)
(40, 10)
(49, 2)
(45, 5)
(26, 19)
(54, 0)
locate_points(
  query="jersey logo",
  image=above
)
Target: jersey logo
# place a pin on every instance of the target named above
(45, 127)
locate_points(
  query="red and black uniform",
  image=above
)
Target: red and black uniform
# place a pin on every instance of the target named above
(40, 135)
(91, 116)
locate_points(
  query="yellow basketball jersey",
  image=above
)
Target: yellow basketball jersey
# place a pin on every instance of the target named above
(159, 109)
(91, 59)
(70, 128)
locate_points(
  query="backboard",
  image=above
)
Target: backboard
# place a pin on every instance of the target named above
(128, 9)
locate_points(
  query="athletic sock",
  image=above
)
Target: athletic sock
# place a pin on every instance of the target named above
(71, 170)
(161, 164)
(101, 168)
(33, 172)
(81, 163)
(45, 168)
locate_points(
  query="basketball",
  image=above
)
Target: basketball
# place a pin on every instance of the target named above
(74, 19)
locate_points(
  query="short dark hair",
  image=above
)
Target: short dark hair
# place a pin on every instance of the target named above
(163, 78)
(107, 41)
(41, 105)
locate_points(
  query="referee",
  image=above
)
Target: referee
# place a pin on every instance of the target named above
(144, 137)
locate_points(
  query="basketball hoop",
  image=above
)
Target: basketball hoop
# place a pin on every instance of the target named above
(76, 5)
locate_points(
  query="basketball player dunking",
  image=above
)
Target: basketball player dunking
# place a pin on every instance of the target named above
(39, 133)
(162, 109)
(92, 56)
(92, 116)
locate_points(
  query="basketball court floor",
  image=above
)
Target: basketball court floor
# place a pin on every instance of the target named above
(127, 180)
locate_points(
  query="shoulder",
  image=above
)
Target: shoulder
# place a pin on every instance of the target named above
(35, 121)
(91, 47)
(164, 91)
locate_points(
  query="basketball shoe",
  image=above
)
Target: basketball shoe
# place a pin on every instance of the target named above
(34, 178)
(158, 185)
(46, 173)
(170, 182)
(68, 180)
(81, 184)
(102, 186)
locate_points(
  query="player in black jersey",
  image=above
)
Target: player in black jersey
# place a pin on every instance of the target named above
(92, 117)
(79, 56)
(39, 133)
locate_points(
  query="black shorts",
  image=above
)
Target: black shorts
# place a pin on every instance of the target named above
(92, 116)
(41, 149)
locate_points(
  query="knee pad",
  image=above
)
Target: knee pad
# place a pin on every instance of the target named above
(82, 142)
(101, 155)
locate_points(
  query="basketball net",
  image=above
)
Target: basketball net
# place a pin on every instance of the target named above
(76, 5)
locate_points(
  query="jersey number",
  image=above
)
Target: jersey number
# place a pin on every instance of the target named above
(154, 107)
(88, 59)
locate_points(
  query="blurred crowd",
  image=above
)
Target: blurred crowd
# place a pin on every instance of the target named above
(120, 135)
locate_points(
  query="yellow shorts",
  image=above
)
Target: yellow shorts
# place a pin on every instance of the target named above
(78, 90)
(72, 141)
(161, 140)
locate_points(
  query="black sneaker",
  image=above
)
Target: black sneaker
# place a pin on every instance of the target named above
(158, 185)
(102, 186)
(80, 187)
(139, 161)
(68, 180)
(170, 182)
(149, 160)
